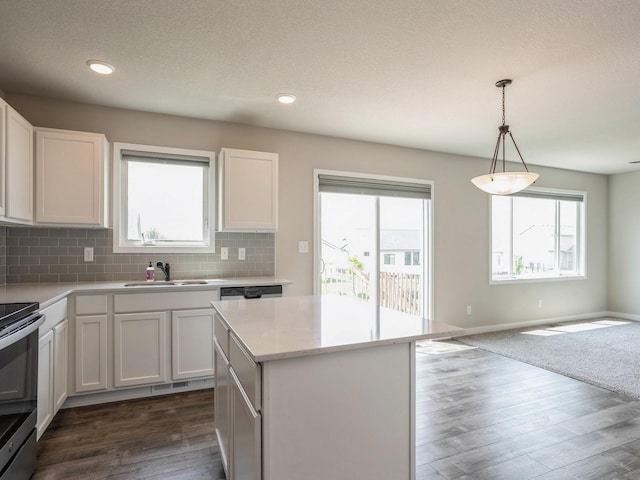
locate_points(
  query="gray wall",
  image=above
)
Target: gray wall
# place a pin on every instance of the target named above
(461, 223)
(624, 243)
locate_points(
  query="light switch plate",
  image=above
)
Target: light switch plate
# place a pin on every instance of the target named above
(88, 254)
(224, 253)
(241, 254)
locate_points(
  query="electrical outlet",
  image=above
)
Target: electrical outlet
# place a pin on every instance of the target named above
(88, 254)
(539, 303)
(303, 246)
(468, 309)
(224, 253)
(241, 254)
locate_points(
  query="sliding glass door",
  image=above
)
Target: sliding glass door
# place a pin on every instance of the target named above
(374, 241)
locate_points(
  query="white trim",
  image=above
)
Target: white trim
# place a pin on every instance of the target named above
(624, 316)
(96, 398)
(317, 242)
(512, 281)
(118, 194)
(535, 323)
(582, 226)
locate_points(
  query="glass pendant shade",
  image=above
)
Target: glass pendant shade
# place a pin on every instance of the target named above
(504, 183)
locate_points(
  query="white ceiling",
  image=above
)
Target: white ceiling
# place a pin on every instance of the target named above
(416, 73)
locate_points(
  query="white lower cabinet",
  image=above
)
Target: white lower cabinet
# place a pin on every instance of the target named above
(60, 360)
(91, 353)
(140, 351)
(191, 344)
(45, 382)
(130, 344)
(53, 353)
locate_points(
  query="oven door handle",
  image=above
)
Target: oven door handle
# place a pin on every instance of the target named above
(31, 324)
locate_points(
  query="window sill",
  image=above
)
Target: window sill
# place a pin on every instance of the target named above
(163, 249)
(511, 281)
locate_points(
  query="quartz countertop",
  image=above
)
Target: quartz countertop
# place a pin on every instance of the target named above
(48, 293)
(277, 328)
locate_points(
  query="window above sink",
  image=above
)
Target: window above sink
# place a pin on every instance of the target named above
(163, 199)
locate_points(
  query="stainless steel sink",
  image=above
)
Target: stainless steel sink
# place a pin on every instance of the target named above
(161, 283)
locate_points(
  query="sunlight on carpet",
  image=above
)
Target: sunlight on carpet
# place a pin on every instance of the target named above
(603, 352)
(574, 327)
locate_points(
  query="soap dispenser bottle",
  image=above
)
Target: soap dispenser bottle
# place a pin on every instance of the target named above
(151, 273)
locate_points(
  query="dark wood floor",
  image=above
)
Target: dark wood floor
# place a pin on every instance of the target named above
(479, 416)
(169, 437)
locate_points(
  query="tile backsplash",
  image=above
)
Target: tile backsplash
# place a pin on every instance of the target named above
(3, 255)
(43, 255)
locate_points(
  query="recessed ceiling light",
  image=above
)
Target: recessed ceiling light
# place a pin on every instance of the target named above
(100, 67)
(286, 98)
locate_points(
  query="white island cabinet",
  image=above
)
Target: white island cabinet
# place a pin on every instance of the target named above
(317, 388)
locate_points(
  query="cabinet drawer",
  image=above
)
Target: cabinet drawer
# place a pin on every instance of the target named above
(247, 371)
(246, 439)
(91, 304)
(144, 302)
(54, 315)
(221, 333)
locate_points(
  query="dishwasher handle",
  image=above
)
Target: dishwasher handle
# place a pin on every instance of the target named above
(250, 293)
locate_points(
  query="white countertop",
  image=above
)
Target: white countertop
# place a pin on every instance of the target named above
(49, 293)
(276, 328)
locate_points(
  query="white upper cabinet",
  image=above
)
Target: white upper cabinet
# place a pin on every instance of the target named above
(72, 178)
(248, 191)
(17, 168)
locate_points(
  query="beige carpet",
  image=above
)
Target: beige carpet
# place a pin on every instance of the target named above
(603, 352)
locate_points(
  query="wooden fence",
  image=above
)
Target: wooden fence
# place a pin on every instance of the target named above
(398, 291)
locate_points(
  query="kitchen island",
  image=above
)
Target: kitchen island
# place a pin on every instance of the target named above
(317, 387)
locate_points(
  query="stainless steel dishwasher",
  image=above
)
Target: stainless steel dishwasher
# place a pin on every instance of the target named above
(252, 292)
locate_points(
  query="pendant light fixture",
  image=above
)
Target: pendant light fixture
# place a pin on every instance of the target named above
(504, 183)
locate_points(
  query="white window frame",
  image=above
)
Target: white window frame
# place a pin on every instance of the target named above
(582, 232)
(428, 256)
(120, 242)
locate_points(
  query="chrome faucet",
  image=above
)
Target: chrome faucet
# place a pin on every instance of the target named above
(165, 269)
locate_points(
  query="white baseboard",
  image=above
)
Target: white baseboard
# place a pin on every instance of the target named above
(543, 321)
(133, 393)
(624, 316)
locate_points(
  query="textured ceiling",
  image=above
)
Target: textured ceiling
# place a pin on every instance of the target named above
(413, 73)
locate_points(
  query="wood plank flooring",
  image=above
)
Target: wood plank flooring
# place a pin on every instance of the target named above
(169, 437)
(483, 416)
(479, 416)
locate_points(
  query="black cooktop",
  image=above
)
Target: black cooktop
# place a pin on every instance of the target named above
(12, 312)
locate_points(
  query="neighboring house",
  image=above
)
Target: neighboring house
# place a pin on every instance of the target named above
(401, 251)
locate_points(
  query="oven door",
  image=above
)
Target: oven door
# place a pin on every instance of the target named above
(18, 400)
